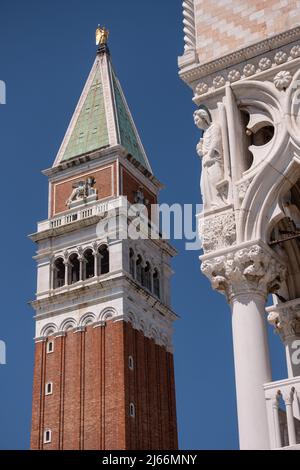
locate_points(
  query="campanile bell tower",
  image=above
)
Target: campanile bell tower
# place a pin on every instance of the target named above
(103, 374)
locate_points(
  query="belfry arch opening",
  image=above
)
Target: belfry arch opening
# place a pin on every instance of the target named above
(89, 270)
(59, 269)
(74, 268)
(104, 259)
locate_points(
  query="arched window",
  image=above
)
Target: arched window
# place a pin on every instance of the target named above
(156, 283)
(147, 276)
(74, 268)
(104, 259)
(59, 270)
(50, 346)
(47, 436)
(49, 388)
(139, 269)
(132, 410)
(130, 363)
(89, 261)
(131, 262)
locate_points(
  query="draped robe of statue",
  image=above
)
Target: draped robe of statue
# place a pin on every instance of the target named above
(210, 149)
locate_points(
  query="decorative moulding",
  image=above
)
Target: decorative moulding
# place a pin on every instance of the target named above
(154, 327)
(195, 72)
(273, 64)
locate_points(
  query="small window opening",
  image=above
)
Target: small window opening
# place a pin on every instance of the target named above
(50, 346)
(132, 410)
(49, 388)
(130, 363)
(47, 436)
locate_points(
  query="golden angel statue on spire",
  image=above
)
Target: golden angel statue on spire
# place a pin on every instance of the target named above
(101, 35)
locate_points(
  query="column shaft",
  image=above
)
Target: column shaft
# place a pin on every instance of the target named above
(252, 369)
(290, 421)
(275, 410)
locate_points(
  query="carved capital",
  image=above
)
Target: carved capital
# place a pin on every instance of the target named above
(66, 257)
(288, 396)
(95, 249)
(253, 269)
(285, 318)
(80, 253)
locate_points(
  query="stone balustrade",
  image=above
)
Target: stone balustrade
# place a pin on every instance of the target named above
(74, 215)
(283, 411)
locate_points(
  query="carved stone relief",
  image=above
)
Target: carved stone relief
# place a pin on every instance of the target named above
(82, 190)
(217, 232)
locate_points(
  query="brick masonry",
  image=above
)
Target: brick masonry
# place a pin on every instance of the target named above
(105, 183)
(93, 387)
(129, 185)
(224, 26)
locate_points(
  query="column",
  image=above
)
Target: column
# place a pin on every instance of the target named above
(52, 274)
(81, 266)
(252, 368)
(81, 259)
(96, 259)
(288, 400)
(275, 415)
(67, 266)
(96, 263)
(246, 276)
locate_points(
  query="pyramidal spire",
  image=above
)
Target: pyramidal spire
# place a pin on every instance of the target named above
(102, 118)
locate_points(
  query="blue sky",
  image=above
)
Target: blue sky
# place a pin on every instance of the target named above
(46, 51)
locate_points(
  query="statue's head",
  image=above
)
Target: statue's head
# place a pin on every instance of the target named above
(202, 119)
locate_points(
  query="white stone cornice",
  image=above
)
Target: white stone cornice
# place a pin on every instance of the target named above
(106, 289)
(248, 269)
(149, 321)
(285, 317)
(195, 71)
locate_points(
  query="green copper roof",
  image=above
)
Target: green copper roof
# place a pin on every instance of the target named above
(128, 136)
(90, 131)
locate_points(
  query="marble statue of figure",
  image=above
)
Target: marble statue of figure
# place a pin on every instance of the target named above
(291, 210)
(211, 150)
(81, 190)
